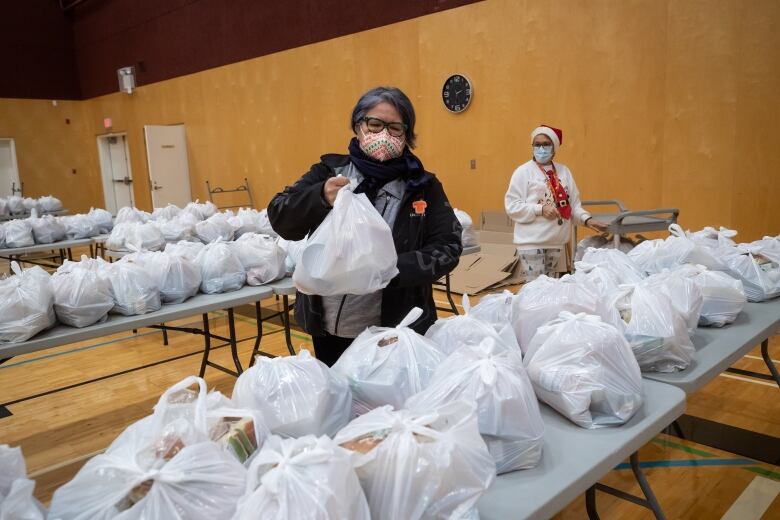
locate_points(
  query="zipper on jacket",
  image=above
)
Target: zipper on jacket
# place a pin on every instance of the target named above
(338, 315)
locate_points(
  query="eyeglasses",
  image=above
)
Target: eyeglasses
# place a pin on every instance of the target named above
(375, 125)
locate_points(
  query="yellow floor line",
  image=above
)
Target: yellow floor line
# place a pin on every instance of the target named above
(43, 471)
(754, 500)
(761, 359)
(748, 380)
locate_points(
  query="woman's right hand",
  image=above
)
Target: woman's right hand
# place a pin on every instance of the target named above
(549, 212)
(332, 187)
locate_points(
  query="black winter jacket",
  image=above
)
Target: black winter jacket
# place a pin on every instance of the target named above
(428, 245)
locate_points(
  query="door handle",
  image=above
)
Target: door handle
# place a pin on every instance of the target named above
(125, 180)
(156, 186)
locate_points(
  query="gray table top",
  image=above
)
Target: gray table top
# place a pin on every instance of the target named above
(283, 287)
(718, 348)
(575, 458)
(37, 248)
(198, 304)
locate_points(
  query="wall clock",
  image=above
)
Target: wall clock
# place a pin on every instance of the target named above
(457, 93)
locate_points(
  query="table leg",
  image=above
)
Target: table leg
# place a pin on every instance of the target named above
(207, 349)
(165, 334)
(286, 323)
(449, 294)
(649, 502)
(769, 363)
(233, 341)
(652, 502)
(92, 251)
(70, 255)
(590, 503)
(259, 338)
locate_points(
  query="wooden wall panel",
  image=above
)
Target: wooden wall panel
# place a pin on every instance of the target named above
(662, 104)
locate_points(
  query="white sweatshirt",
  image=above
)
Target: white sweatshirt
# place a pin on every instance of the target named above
(527, 193)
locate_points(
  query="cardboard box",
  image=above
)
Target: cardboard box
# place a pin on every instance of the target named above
(494, 220)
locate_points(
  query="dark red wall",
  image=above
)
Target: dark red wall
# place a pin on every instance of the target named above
(38, 60)
(164, 39)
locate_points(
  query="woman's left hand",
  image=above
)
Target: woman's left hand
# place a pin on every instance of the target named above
(598, 225)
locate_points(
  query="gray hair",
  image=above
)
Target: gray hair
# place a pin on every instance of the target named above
(391, 95)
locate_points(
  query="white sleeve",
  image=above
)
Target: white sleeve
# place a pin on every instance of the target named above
(577, 211)
(515, 203)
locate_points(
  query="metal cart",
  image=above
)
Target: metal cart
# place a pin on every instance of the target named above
(624, 221)
(244, 188)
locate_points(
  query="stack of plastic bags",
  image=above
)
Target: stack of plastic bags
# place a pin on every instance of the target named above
(467, 329)
(297, 395)
(26, 304)
(261, 256)
(16, 490)
(385, 366)
(82, 294)
(169, 212)
(214, 228)
(308, 477)
(50, 204)
(351, 252)
(200, 211)
(220, 269)
(79, 226)
(653, 326)
(420, 465)
(495, 380)
(585, 369)
(760, 276)
(178, 463)
(18, 233)
(249, 220)
(468, 236)
(135, 235)
(102, 219)
(178, 228)
(176, 277)
(46, 229)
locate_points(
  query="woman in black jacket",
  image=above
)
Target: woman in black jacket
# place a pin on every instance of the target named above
(411, 201)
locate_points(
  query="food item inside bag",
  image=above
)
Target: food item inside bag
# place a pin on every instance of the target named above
(351, 252)
(422, 465)
(309, 477)
(26, 304)
(220, 269)
(387, 365)
(467, 329)
(82, 296)
(495, 380)
(655, 329)
(585, 369)
(297, 395)
(760, 276)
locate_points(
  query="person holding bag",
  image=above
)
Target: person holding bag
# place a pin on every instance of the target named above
(425, 231)
(543, 201)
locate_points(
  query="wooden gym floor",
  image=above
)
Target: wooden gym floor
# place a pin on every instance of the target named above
(60, 431)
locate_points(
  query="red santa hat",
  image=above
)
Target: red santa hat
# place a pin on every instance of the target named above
(555, 135)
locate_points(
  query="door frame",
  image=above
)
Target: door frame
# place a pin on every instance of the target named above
(14, 164)
(105, 168)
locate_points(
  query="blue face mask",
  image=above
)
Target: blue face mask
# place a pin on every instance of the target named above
(543, 154)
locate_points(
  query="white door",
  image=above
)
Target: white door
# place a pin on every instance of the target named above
(116, 172)
(9, 173)
(169, 170)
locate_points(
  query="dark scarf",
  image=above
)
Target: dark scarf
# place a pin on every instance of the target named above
(376, 174)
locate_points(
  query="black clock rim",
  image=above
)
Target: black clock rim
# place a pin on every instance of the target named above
(471, 96)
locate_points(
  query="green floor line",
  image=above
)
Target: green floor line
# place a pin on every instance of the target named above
(774, 475)
(683, 447)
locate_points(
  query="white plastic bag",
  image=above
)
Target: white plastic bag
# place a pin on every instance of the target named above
(16, 490)
(298, 395)
(50, 204)
(306, 478)
(15, 204)
(387, 365)
(723, 297)
(220, 269)
(214, 228)
(4, 206)
(498, 309)
(30, 204)
(415, 466)
(81, 295)
(654, 327)
(201, 211)
(600, 278)
(46, 229)
(541, 300)
(187, 249)
(176, 229)
(713, 238)
(351, 252)
(585, 369)
(26, 304)
(129, 236)
(449, 334)
(768, 247)
(679, 249)
(133, 289)
(2, 235)
(102, 219)
(176, 277)
(251, 221)
(624, 268)
(261, 256)
(495, 380)
(684, 293)
(759, 275)
(169, 212)
(127, 215)
(156, 469)
(79, 226)
(294, 251)
(468, 236)
(645, 255)
(18, 233)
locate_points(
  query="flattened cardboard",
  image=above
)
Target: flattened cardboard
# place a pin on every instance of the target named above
(494, 220)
